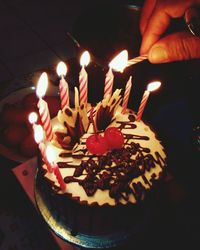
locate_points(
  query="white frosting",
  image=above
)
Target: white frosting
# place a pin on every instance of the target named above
(102, 196)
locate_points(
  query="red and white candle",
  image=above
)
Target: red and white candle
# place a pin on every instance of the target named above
(108, 83)
(126, 95)
(63, 85)
(137, 59)
(59, 178)
(43, 106)
(39, 139)
(119, 63)
(56, 170)
(150, 87)
(83, 78)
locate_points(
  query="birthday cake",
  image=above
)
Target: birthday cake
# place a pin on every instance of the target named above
(99, 164)
(106, 174)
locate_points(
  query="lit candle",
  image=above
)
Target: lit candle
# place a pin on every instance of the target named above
(150, 87)
(33, 117)
(63, 85)
(56, 170)
(119, 63)
(126, 95)
(39, 139)
(83, 78)
(43, 107)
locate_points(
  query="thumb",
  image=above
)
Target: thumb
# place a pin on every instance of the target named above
(175, 47)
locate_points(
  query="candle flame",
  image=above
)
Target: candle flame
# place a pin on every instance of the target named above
(61, 69)
(50, 154)
(153, 86)
(38, 134)
(42, 85)
(85, 58)
(32, 117)
(119, 63)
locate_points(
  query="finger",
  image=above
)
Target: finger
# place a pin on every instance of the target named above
(175, 47)
(157, 25)
(146, 12)
(160, 20)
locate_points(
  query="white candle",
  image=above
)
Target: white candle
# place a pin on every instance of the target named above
(63, 85)
(151, 87)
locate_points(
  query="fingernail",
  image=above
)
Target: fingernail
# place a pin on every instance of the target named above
(158, 55)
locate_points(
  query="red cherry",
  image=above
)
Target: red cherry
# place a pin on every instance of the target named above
(114, 138)
(96, 144)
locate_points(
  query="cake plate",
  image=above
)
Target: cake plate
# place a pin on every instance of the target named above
(89, 241)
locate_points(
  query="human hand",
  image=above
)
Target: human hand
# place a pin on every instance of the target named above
(155, 19)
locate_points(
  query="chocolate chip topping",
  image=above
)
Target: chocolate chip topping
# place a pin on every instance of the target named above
(116, 170)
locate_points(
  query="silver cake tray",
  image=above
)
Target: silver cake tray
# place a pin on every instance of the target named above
(88, 241)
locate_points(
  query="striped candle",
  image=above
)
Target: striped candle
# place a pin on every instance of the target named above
(43, 107)
(63, 85)
(59, 177)
(64, 93)
(142, 105)
(126, 95)
(83, 78)
(83, 87)
(108, 83)
(39, 139)
(136, 60)
(45, 119)
(118, 64)
(51, 160)
(150, 87)
(42, 149)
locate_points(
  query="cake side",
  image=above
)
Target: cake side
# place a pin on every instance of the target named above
(102, 221)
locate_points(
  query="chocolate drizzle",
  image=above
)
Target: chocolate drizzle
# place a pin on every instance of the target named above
(116, 170)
